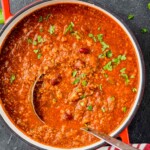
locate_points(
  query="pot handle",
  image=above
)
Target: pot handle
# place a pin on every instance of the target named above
(6, 9)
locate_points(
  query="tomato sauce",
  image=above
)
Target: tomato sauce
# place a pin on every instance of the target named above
(89, 73)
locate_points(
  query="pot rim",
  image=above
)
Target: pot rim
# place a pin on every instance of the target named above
(41, 4)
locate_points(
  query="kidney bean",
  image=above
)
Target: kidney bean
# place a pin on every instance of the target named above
(56, 80)
(84, 50)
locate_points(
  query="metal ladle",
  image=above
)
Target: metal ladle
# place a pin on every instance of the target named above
(110, 140)
(31, 97)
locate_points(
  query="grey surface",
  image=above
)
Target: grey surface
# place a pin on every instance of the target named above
(139, 129)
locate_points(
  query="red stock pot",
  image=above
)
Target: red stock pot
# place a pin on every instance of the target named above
(12, 20)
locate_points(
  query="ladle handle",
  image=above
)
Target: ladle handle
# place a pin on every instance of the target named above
(110, 140)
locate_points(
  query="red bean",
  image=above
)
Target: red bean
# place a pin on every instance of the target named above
(84, 50)
(56, 80)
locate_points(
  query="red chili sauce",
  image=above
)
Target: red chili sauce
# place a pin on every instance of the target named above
(90, 74)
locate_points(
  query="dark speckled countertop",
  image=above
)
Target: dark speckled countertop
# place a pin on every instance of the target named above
(139, 129)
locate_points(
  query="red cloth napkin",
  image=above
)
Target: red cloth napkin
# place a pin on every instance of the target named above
(138, 146)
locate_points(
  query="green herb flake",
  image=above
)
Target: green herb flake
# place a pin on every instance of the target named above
(99, 28)
(103, 109)
(40, 19)
(100, 87)
(76, 81)
(39, 39)
(134, 90)
(112, 98)
(29, 40)
(69, 28)
(104, 46)
(93, 37)
(132, 76)
(100, 37)
(144, 30)
(83, 75)
(51, 29)
(102, 55)
(109, 54)
(12, 78)
(36, 51)
(34, 43)
(148, 5)
(74, 73)
(125, 76)
(76, 34)
(108, 66)
(1, 17)
(123, 57)
(47, 17)
(39, 56)
(83, 96)
(84, 83)
(130, 17)
(90, 108)
(124, 109)
(123, 70)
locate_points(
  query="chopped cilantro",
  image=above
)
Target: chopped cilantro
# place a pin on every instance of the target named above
(144, 30)
(76, 34)
(76, 81)
(100, 87)
(104, 46)
(39, 56)
(103, 109)
(124, 109)
(51, 29)
(109, 54)
(132, 76)
(40, 19)
(74, 73)
(123, 57)
(1, 17)
(134, 90)
(34, 43)
(112, 98)
(83, 96)
(100, 37)
(93, 37)
(29, 40)
(83, 75)
(36, 51)
(148, 5)
(12, 78)
(84, 83)
(125, 76)
(99, 28)
(39, 39)
(108, 66)
(102, 55)
(69, 28)
(47, 17)
(130, 16)
(90, 107)
(123, 70)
